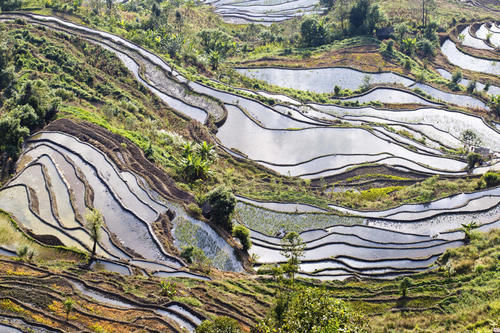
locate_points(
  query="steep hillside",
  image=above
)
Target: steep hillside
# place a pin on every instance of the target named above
(256, 166)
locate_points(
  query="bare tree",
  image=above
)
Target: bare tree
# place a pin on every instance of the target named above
(342, 10)
(428, 6)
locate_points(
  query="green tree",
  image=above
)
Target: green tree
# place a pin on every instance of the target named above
(364, 17)
(467, 229)
(222, 203)
(404, 285)
(471, 87)
(473, 159)
(243, 234)
(35, 105)
(401, 30)
(292, 248)
(187, 254)
(7, 5)
(6, 77)
(220, 324)
(389, 48)
(96, 6)
(470, 139)
(367, 82)
(495, 105)
(94, 223)
(426, 48)
(457, 76)
(28, 117)
(68, 307)
(194, 167)
(168, 289)
(311, 310)
(408, 46)
(172, 44)
(217, 40)
(407, 65)
(12, 136)
(430, 32)
(6, 72)
(312, 32)
(214, 58)
(207, 151)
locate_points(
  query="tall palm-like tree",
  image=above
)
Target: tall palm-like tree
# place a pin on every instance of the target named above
(206, 151)
(94, 224)
(467, 229)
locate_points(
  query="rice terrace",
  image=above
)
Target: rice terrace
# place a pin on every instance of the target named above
(259, 166)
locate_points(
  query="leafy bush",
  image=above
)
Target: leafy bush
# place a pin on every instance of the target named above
(408, 45)
(194, 167)
(7, 5)
(222, 203)
(187, 254)
(243, 234)
(196, 160)
(473, 159)
(491, 179)
(194, 210)
(426, 48)
(311, 310)
(471, 87)
(387, 49)
(495, 104)
(457, 76)
(407, 65)
(168, 289)
(219, 325)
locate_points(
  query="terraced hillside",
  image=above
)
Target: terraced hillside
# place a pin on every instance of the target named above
(382, 157)
(263, 12)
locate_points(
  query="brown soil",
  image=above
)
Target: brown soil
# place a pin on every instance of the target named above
(37, 294)
(364, 58)
(133, 157)
(366, 170)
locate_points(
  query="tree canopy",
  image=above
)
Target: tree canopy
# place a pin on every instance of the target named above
(313, 33)
(222, 203)
(364, 17)
(311, 310)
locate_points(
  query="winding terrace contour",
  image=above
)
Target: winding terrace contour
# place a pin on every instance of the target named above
(296, 140)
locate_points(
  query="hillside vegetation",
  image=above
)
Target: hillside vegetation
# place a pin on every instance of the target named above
(196, 233)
